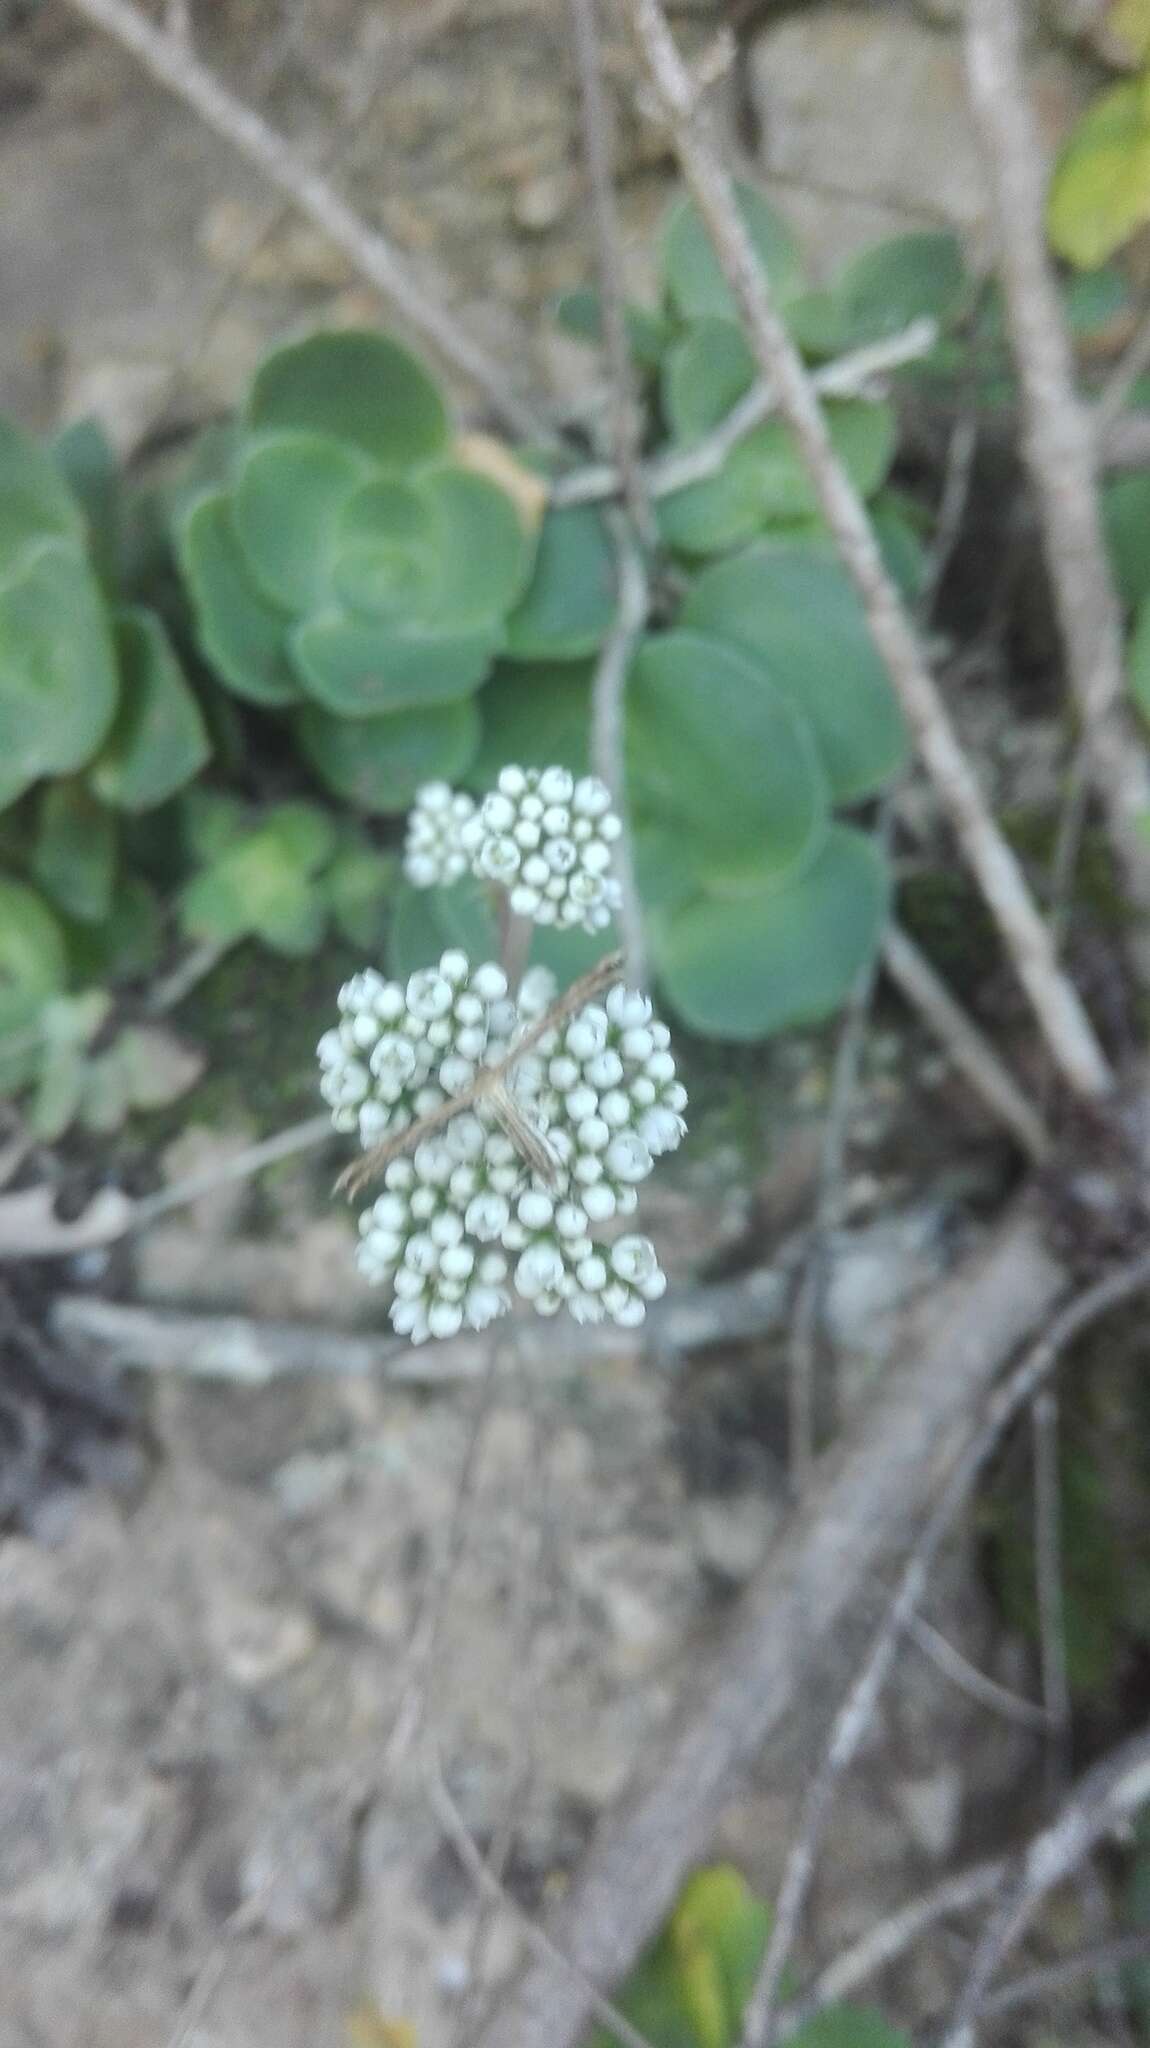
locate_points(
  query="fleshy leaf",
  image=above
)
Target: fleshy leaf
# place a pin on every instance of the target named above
(241, 636)
(358, 386)
(793, 607)
(694, 279)
(74, 858)
(570, 600)
(1139, 660)
(357, 885)
(764, 481)
(33, 963)
(704, 376)
(288, 492)
(158, 740)
(425, 922)
(909, 277)
(1100, 192)
(1126, 520)
(377, 764)
(718, 756)
(535, 713)
(35, 502)
(360, 670)
(747, 966)
(57, 668)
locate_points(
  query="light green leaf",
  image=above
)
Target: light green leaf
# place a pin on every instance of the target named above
(1139, 660)
(536, 714)
(35, 502)
(693, 276)
(792, 606)
(704, 375)
(849, 2026)
(289, 491)
(570, 601)
(357, 885)
(360, 670)
(718, 757)
(241, 637)
(764, 481)
(158, 740)
(87, 462)
(425, 922)
(33, 962)
(908, 278)
(377, 764)
(1126, 520)
(74, 858)
(580, 314)
(1100, 192)
(747, 966)
(358, 386)
(57, 667)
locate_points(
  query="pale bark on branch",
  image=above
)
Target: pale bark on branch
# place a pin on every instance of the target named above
(1059, 437)
(874, 1489)
(1054, 1001)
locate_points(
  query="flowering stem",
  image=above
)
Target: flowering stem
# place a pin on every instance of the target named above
(490, 1080)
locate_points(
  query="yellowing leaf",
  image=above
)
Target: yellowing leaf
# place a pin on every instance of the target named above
(1128, 29)
(1100, 193)
(368, 2028)
(527, 490)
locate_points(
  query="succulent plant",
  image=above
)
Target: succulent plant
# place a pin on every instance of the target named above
(283, 875)
(352, 570)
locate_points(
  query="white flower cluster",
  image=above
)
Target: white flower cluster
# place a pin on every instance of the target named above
(507, 1194)
(543, 835)
(433, 855)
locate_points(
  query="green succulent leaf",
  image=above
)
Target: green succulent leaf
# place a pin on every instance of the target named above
(447, 553)
(288, 493)
(377, 764)
(763, 480)
(580, 314)
(358, 387)
(87, 461)
(74, 858)
(791, 605)
(33, 961)
(213, 821)
(704, 375)
(358, 885)
(57, 667)
(63, 1072)
(241, 636)
(128, 944)
(719, 758)
(158, 740)
(361, 670)
(385, 551)
(1100, 192)
(1139, 660)
(35, 502)
(693, 276)
(570, 601)
(425, 922)
(849, 2026)
(1126, 519)
(484, 554)
(747, 966)
(908, 278)
(534, 713)
(264, 883)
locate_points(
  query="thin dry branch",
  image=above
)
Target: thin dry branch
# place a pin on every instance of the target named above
(971, 1051)
(608, 735)
(1059, 437)
(598, 153)
(170, 60)
(1103, 1800)
(856, 1714)
(877, 1483)
(1057, 1008)
(850, 376)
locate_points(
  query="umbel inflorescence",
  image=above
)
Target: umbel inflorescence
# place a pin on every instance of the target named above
(513, 1130)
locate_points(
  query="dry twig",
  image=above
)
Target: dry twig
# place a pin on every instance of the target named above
(877, 1482)
(170, 60)
(1103, 1800)
(1055, 1003)
(857, 1711)
(1059, 442)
